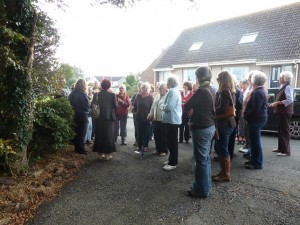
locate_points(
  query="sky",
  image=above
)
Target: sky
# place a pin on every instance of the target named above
(107, 41)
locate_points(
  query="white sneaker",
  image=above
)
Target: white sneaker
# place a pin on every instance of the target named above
(168, 167)
(282, 154)
(243, 150)
(166, 162)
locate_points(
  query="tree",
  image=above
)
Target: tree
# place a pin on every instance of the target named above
(25, 35)
(68, 73)
(18, 21)
(131, 84)
(46, 80)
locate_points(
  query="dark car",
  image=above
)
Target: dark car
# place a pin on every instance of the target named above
(271, 124)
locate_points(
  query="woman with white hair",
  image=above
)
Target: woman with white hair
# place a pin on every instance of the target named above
(121, 115)
(155, 116)
(172, 112)
(283, 108)
(256, 116)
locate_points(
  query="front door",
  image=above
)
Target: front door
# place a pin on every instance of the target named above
(274, 81)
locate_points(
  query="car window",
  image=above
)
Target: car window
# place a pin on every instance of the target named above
(297, 96)
(271, 97)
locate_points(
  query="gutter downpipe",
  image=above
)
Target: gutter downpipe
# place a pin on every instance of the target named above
(297, 73)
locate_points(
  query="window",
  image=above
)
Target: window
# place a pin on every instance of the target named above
(287, 68)
(275, 71)
(240, 72)
(196, 46)
(248, 38)
(163, 75)
(189, 75)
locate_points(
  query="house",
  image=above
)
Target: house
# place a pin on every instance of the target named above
(147, 75)
(267, 40)
(115, 81)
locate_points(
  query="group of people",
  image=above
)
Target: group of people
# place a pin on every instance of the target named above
(106, 126)
(203, 114)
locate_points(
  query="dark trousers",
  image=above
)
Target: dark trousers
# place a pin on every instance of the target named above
(184, 129)
(172, 143)
(81, 124)
(143, 129)
(160, 134)
(120, 124)
(135, 127)
(254, 129)
(284, 135)
(231, 143)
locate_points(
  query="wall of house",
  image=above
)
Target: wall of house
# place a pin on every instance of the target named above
(217, 69)
(148, 77)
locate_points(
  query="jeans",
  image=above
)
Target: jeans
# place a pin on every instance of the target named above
(89, 131)
(222, 144)
(254, 128)
(120, 124)
(201, 144)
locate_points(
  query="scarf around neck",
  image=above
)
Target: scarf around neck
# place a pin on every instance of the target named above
(203, 83)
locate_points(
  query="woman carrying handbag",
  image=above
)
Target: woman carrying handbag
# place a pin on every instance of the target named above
(225, 123)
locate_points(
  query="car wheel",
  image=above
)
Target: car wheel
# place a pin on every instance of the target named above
(295, 128)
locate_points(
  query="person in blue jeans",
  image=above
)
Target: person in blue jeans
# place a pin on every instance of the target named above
(203, 129)
(225, 123)
(256, 116)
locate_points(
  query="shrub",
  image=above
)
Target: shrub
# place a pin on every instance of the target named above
(53, 125)
(6, 153)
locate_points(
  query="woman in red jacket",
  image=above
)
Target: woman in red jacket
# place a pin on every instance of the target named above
(184, 129)
(121, 114)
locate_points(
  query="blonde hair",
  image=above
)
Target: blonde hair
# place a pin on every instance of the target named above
(122, 86)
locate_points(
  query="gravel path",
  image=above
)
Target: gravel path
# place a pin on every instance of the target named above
(131, 189)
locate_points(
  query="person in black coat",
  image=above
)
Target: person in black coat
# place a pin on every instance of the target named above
(104, 125)
(80, 103)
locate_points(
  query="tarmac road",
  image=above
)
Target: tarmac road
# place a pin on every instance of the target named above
(133, 189)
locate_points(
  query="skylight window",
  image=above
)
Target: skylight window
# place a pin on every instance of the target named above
(196, 46)
(248, 38)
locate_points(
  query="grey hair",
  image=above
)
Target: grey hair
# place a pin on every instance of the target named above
(259, 78)
(146, 84)
(172, 81)
(163, 85)
(288, 76)
(139, 84)
(203, 73)
(123, 86)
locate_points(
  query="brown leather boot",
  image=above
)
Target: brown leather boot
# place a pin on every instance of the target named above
(221, 166)
(225, 177)
(227, 162)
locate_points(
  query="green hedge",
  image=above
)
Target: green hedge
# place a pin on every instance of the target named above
(53, 125)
